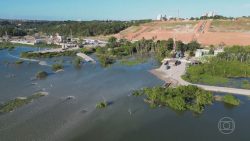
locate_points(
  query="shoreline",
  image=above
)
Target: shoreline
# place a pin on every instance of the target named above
(173, 76)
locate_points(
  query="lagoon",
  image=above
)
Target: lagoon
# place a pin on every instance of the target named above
(55, 117)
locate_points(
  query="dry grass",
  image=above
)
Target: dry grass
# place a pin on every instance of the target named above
(241, 25)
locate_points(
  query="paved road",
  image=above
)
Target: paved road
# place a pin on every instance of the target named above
(175, 73)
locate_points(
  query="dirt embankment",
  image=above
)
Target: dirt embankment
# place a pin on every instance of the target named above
(206, 32)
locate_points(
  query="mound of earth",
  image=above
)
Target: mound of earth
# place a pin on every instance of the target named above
(207, 32)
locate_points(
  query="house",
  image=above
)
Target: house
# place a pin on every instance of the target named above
(218, 51)
(201, 52)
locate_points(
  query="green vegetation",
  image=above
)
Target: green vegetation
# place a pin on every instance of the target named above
(88, 50)
(56, 67)
(160, 49)
(180, 98)
(84, 28)
(6, 45)
(234, 62)
(18, 62)
(77, 62)
(10, 46)
(138, 92)
(48, 54)
(41, 74)
(105, 60)
(102, 105)
(232, 100)
(246, 84)
(18, 102)
(132, 62)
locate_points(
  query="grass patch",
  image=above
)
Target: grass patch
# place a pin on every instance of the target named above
(77, 62)
(19, 102)
(246, 84)
(41, 75)
(56, 67)
(18, 62)
(133, 62)
(232, 100)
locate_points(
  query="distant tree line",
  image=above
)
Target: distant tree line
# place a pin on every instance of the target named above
(216, 17)
(81, 28)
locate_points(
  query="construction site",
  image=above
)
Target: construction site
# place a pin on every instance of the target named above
(206, 32)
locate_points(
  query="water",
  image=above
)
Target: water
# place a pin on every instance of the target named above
(54, 118)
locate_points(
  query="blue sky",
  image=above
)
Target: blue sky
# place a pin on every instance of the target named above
(117, 9)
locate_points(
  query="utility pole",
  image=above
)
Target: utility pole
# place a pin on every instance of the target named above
(178, 13)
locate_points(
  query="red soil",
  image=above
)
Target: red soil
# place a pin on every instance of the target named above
(200, 33)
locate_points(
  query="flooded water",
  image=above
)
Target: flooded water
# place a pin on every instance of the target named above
(53, 118)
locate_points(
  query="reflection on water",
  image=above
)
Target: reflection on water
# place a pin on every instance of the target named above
(56, 117)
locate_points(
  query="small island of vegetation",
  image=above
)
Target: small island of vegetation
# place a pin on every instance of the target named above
(231, 100)
(19, 102)
(19, 62)
(41, 74)
(48, 54)
(180, 98)
(102, 105)
(57, 67)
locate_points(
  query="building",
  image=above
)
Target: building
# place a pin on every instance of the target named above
(201, 52)
(161, 17)
(209, 14)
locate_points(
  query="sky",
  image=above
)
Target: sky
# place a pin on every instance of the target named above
(117, 9)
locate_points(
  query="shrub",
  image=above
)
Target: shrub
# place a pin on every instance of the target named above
(19, 62)
(41, 75)
(57, 67)
(77, 62)
(232, 100)
(102, 105)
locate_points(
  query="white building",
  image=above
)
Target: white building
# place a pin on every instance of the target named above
(209, 14)
(201, 52)
(161, 17)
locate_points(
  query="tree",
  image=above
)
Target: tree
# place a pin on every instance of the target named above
(180, 46)
(170, 44)
(112, 42)
(193, 45)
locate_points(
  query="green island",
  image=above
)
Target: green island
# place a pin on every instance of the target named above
(9, 45)
(181, 98)
(19, 102)
(231, 100)
(18, 62)
(56, 67)
(233, 63)
(102, 105)
(48, 54)
(41, 75)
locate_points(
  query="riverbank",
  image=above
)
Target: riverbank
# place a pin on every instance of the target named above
(175, 73)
